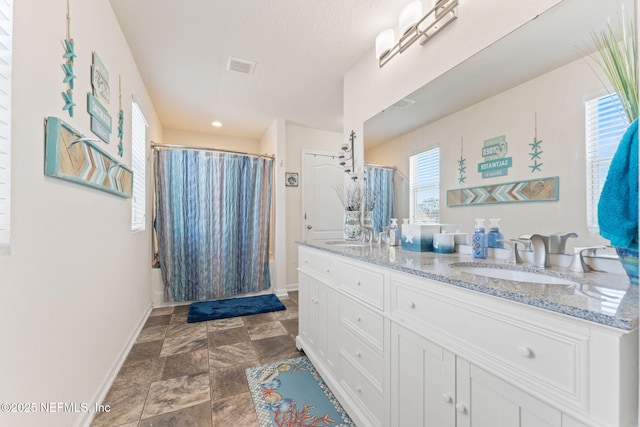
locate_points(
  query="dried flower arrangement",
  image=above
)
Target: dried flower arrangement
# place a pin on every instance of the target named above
(351, 195)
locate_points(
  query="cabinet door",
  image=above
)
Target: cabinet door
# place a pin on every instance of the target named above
(484, 400)
(422, 382)
(327, 329)
(308, 312)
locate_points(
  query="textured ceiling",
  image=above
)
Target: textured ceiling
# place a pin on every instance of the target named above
(303, 48)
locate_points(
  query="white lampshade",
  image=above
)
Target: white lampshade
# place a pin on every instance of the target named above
(384, 42)
(409, 16)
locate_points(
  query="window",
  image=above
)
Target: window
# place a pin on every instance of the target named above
(424, 182)
(605, 126)
(138, 163)
(6, 30)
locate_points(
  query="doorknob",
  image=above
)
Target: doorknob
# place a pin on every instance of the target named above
(309, 227)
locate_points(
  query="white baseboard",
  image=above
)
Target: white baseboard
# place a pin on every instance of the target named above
(98, 398)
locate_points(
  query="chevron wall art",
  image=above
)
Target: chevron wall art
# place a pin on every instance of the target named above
(71, 156)
(535, 190)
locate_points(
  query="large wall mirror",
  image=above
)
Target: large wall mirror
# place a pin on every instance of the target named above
(552, 41)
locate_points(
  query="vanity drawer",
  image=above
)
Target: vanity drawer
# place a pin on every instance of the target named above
(364, 283)
(366, 395)
(362, 319)
(541, 355)
(363, 355)
(318, 265)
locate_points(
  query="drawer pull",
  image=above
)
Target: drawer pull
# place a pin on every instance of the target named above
(447, 397)
(358, 353)
(315, 300)
(358, 389)
(328, 270)
(525, 351)
(461, 408)
(358, 282)
(359, 318)
(411, 304)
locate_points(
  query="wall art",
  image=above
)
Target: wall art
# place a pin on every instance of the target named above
(536, 149)
(462, 167)
(100, 117)
(496, 162)
(535, 190)
(120, 119)
(71, 156)
(291, 179)
(69, 58)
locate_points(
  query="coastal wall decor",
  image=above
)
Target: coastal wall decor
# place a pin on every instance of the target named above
(120, 119)
(535, 190)
(69, 58)
(496, 162)
(536, 149)
(71, 156)
(462, 167)
(100, 117)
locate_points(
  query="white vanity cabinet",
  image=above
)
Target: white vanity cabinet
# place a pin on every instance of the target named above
(401, 350)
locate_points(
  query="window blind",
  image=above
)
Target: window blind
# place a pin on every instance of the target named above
(424, 183)
(138, 164)
(6, 31)
(605, 125)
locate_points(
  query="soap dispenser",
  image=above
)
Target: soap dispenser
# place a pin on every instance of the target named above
(479, 240)
(394, 233)
(494, 236)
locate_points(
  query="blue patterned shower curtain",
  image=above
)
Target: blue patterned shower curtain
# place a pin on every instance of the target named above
(381, 190)
(212, 223)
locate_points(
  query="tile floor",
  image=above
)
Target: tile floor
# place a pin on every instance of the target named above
(192, 374)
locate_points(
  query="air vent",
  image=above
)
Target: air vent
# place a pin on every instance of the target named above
(240, 65)
(404, 103)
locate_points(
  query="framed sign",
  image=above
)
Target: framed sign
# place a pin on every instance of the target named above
(291, 179)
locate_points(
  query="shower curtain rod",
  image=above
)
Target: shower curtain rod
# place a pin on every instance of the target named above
(217, 150)
(395, 168)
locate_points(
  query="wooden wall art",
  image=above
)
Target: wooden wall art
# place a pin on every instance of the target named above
(71, 156)
(535, 190)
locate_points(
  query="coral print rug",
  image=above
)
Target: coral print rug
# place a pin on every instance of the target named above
(291, 393)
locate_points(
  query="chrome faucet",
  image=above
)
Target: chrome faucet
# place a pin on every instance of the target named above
(368, 234)
(540, 245)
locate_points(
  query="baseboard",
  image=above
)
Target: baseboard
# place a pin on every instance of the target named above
(98, 398)
(293, 287)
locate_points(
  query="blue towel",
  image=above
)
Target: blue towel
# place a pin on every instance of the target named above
(618, 206)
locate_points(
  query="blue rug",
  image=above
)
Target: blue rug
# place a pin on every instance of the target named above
(233, 307)
(291, 393)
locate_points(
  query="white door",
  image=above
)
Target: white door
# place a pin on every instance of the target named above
(322, 209)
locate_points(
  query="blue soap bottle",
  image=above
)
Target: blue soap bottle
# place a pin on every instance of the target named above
(494, 236)
(479, 240)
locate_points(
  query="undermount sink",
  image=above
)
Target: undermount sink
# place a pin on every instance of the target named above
(514, 275)
(346, 243)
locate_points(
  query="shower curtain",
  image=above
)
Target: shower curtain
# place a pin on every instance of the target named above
(381, 190)
(212, 223)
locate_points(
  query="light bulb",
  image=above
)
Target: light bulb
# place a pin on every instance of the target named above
(409, 16)
(384, 42)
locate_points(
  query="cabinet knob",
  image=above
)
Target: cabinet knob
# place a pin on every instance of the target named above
(328, 270)
(447, 397)
(358, 389)
(358, 353)
(359, 318)
(525, 351)
(358, 282)
(411, 304)
(461, 408)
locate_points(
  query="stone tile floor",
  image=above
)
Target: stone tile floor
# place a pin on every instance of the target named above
(192, 374)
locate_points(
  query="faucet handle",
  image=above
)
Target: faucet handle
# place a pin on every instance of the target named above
(514, 257)
(577, 262)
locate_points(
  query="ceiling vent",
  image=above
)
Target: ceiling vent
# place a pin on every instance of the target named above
(240, 65)
(404, 103)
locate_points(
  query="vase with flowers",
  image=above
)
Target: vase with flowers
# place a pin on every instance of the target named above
(351, 196)
(618, 205)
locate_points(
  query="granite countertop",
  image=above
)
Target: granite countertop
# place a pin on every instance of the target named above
(599, 297)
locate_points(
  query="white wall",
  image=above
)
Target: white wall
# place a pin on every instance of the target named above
(76, 285)
(558, 99)
(301, 138)
(180, 137)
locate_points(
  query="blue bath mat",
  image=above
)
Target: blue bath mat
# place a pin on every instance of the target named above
(233, 307)
(292, 393)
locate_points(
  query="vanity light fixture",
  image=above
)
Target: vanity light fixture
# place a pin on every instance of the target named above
(216, 124)
(413, 27)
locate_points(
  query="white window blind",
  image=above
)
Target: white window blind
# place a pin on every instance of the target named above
(6, 31)
(138, 163)
(605, 126)
(424, 183)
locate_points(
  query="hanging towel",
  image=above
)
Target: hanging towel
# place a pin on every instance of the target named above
(618, 206)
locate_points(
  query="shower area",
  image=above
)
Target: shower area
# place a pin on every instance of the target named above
(212, 216)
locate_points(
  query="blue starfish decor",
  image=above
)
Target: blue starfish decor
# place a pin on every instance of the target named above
(536, 149)
(69, 77)
(462, 167)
